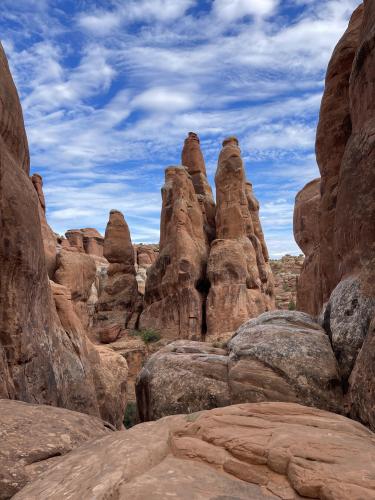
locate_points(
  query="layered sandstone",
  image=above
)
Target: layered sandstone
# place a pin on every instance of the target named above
(238, 268)
(37, 359)
(279, 356)
(286, 272)
(174, 301)
(307, 235)
(33, 437)
(118, 297)
(87, 240)
(250, 451)
(48, 236)
(146, 255)
(192, 159)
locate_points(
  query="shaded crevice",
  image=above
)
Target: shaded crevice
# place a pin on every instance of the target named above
(203, 286)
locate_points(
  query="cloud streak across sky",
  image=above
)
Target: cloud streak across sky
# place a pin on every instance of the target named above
(111, 88)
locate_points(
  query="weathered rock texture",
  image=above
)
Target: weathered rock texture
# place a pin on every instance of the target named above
(38, 360)
(238, 268)
(307, 235)
(77, 272)
(345, 257)
(108, 371)
(48, 236)
(145, 257)
(280, 356)
(192, 159)
(175, 296)
(286, 273)
(119, 295)
(251, 451)
(87, 240)
(33, 437)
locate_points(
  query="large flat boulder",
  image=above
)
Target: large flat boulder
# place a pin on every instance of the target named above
(250, 451)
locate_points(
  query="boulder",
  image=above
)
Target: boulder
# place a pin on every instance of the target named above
(346, 318)
(306, 221)
(250, 451)
(240, 277)
(37, 359)
(33, 437)
(185, 376)
(118, 297)
(176, 287)
(192, 159)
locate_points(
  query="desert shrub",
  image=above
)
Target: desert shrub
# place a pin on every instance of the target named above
(130, 417)
(292, 305)
(149, 335)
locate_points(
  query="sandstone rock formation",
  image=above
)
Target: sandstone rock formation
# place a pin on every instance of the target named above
(87, 240)
(108, 371)
(306, 221)
(37, 358)
(77, 272)
(286, 273)
(119, 295)
(176, 288)
(192, 159)
(33, 437)
(249, 451)
(238, 268)
(145, 257)
(345, 256)
(48, 236)
(279, 356)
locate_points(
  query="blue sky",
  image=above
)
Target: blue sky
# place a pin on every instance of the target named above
(111, 88)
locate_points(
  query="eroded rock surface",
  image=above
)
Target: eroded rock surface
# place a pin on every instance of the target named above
(119, 295)
(33, 437)
(257, 451)
(238, 269)
(286, 272)
(279, 356)
(176, 287)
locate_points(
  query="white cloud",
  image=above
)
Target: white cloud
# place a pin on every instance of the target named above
(164, 99)
(231, 10)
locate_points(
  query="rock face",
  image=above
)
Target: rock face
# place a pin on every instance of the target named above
(37, 358)
(119, 295)
(192, 159)
(87, 240)
(238, 268)
(145, 257)
(345, 257)
(77, 272)
(34, 436)
(307, 235)
(48, 236)
(175, 295)
(257, 451)
(286, 273)
(184, 376)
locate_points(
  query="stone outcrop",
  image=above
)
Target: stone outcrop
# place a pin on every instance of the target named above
(306, 221)
(77, 272)
(118, 298)
(37, 359)
(174, 301)
(87, 240)
(345, 257)
(145, 257)
(238, 269)
(192, 159)
(258, 451)
(108, 371)
(48, 236)
(286, 273)
(33, 437)
(280, 356)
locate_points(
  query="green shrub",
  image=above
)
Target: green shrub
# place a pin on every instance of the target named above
(292, 305)
(130, 417)
(148, 335)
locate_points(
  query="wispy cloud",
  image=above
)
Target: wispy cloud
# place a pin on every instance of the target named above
(110, 89)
